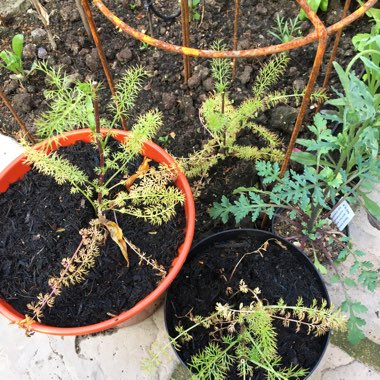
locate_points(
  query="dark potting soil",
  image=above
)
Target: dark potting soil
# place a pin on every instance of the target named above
(204, 279)
(39, 224)
(282, 226)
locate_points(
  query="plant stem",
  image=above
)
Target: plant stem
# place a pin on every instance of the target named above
(343, 198)
(267, 366)
(100, 148)
(120, 169)
(54, 290)
(357, 56)
(17, 117)
(223, 111)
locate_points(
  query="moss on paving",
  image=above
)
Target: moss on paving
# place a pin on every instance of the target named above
(180, 373)
(366, 351)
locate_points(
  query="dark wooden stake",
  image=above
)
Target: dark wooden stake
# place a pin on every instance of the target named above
(17, 117)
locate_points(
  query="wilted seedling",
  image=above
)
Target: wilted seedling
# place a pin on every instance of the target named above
(146, 193)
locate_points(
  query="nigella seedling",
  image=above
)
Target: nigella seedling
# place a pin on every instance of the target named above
(224, 121)
(244, 335)
(145, 193)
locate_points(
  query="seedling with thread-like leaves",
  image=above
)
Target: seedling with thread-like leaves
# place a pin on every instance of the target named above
(224, 121)
(145, 194)
(286, 30)
(244, 336)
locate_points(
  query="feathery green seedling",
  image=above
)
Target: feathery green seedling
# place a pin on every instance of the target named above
(286, 30)
(145, 194)
(224, 121)
(244, 336)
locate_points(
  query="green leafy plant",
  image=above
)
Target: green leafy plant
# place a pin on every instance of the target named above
(224, 121)
(144, 46)
(244, 336)
(357, 115)
(336, 167)
(306, 199)
(194, 14)
(13, 59)
(368, 47)
(315, 5)
(145, 194)
(286, 30)
(221, 69)
(133, 6)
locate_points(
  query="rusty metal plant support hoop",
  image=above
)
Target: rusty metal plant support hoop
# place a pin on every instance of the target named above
(320, 34)
(102, 56)
(185, 38)
(235, 42)
(334, 49)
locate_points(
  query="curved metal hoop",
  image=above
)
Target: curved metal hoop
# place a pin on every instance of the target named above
(320, 34)
(273, 49)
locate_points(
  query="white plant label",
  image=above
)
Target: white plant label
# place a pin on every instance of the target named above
(342, 215)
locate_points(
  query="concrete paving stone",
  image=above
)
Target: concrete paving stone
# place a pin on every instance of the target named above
(110, 355)
(352, 371)
(118, 354)
(13, 7)
(9, 150)
(366, 238)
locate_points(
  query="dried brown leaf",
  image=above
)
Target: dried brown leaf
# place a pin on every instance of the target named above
(117, 236)
(142, 169)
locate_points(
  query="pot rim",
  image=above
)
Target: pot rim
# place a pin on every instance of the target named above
(233, 232)
(16, 170)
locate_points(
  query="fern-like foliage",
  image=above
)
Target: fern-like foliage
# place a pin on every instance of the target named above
(127, 90)
(245, 337)
(151, 199)
(200, 162)
(220, 69)
(213, 362)
(148, 193)
(153, 194)
(61, 169)
(145, 129)
(269, 75)
(214, 120)
(224, 121)
(74, 270)
(69, 107)
(297, 192)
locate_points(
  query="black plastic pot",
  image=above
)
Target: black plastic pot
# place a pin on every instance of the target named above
(176, 290)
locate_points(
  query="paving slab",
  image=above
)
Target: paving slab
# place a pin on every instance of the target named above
(117, 354)
(13, 7)
(9, 150)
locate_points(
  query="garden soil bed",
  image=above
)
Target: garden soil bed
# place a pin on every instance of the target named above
(282, 226)
(40, 221)
(278, 273)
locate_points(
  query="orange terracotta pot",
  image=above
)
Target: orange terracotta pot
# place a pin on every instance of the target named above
(16, 170)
